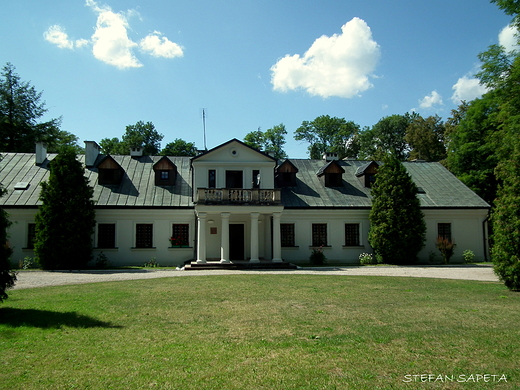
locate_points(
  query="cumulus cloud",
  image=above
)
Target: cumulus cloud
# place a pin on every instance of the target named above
(340, 65)
(159, 46)
(433, 99)
(467, 88)
(111, 42)
(507, 38)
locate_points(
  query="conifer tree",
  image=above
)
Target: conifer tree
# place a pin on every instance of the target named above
(66, 218)
(7, 277)
(397, 227)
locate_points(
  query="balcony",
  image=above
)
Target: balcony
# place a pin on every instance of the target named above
(238, 196)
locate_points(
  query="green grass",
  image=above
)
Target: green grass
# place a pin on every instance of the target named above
(261, 332)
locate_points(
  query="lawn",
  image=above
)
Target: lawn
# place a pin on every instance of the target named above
(262, 332)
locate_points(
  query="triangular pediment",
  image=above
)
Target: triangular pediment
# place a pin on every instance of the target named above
(234, 151)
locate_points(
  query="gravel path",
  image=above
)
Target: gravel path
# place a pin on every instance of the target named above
(30, 279)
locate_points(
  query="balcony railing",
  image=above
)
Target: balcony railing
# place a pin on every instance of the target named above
(238, 196)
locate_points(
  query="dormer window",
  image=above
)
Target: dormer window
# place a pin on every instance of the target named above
(367, 173)
(286, 174)
(110, 172)
(331, 174)
(165, 172)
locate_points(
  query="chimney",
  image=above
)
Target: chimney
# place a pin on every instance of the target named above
(328, 156)
(91, 153)
(41, 153)
(136, 152)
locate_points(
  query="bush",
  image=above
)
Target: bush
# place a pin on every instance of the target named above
(152, 263)
(28, 263)
(468, 256)
(367, 259)
(317, 256)
(102, 261)
(446, 247)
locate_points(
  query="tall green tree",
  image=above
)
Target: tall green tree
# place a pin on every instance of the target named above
(397, 227)
(141, 135)
(388, 136)
(66, 218)
(326, 134)
(179, 147)
(272, 140)
(7, 277)
(21, 108)
(425, 136)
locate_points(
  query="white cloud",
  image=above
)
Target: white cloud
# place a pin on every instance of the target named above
(111, 43)
(57, 35)
(159, 46)
(467, 89)
(430, 100)
(339, 65)
(507, 38)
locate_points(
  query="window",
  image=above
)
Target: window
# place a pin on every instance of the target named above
(31, 235)
(144, 235)
(180, 235)
(352, 234)
(256, 178)
(444, 231)
(287, 234)
(319, 234)
(212, 178)
(333, 180)
(106, 237)
(165, 175)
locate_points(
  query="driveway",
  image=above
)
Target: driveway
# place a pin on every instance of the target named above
(31, 279)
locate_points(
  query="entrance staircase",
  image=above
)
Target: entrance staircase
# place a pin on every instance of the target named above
(237, 265)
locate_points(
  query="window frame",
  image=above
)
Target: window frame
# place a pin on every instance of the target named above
(357, 234)
(442, 234)
(31, 235)
(292, 235)
(98, 235)
(185, 241)
(317, 241)
(138, 240)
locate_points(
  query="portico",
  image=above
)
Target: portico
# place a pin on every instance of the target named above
(229, 233)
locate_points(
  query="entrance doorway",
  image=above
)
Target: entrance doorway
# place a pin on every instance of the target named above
(234, 179)
(236, 241)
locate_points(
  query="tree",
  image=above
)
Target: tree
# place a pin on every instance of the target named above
(179, 147)
(7, 277)
(397, 227)
(272, 140)
(112, 146)
(389, 136)
(143, 135)
(66, 218)
(326, 134)
(425, 136)
(21, 108)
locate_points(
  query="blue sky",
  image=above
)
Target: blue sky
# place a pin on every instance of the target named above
(103, 65)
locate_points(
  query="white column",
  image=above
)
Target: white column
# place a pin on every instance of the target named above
(254, 238)
(201, 238)
(277, 240)
(224, 245)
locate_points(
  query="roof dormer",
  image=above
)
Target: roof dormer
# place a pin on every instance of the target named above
(286, 174)
(109, 171)
(331, 174)
(367, 173)
(165, 172)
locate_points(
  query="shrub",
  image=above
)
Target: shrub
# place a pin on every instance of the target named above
(102, 261)
(446, 247)
(367, 259)
(28, 263)
(317, 256)
(468, 256)
(152, 263)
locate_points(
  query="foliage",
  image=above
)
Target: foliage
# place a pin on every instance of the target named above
(179, 147)
(367, 259)
(397, 227)
(21, 108)
(272, 140)
(388, 136)
(446, 247)
(326, 134)
(141, 135)
(7, 277)
(425, 136)
(317, 256)
(152, 263)
(468, 255)
(29, 263)
(102, 261)
(66, 218)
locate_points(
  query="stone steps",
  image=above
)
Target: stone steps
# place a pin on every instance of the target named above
(240, 264)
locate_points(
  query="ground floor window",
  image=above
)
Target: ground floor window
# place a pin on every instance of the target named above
(106, 235)
(287, 234)
(180, 235)
(31, 235)
(319, 234)
(144, 235)
(444, 231)
(352, 234)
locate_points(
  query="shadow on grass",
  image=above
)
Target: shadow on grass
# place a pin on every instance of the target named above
(49, 319)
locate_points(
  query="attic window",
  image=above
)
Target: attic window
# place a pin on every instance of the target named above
(110, 172)
(421, 190)
(21, 185)
(331, 174)
(367, 173)
(165, 172)
(286, 174)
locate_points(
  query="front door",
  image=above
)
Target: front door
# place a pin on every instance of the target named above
(234, 179)
(236, 241)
